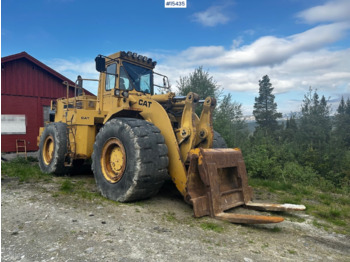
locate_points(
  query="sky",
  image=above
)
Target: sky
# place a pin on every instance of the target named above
(299, 44)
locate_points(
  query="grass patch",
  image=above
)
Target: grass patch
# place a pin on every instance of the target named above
(80, 189)
(329, 206)
(265, 245)
(67, 186)
(276, 229)
(24, 170)
(292, 217)
(212, 226)
(272, 186)
(170, 216)
(292, 252)
(319, 224)
(29, 171)
(291, 199)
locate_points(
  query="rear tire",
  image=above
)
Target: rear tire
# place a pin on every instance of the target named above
(218, 141)
(53, 148)
(129, 160)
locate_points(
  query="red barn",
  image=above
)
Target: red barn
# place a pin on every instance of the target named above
(27, 88)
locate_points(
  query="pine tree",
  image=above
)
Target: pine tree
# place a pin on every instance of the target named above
(342, 123)
(315, 122)
(341, 107)
(199, 82)
(228, 120)
(228, 117)
(291, 128)
(265, 108)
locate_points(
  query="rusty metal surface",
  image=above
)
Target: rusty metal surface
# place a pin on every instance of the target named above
(217, 181)
(248, 219)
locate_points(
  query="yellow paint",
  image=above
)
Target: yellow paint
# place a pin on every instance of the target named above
(48, 150)
(86, 114)
(113, 160)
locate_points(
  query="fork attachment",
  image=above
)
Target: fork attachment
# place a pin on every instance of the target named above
(217, 181)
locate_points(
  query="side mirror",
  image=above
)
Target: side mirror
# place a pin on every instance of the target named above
(164, 82)
(80, 82)
(100, 64)
(79, 90)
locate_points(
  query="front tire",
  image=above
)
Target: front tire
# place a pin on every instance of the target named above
(129, 160)
(53, 148)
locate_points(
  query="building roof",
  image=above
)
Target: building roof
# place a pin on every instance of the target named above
(41, 65)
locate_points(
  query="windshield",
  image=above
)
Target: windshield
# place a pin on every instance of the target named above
(140, 77)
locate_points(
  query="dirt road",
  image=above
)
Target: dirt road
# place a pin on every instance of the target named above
(40, 224)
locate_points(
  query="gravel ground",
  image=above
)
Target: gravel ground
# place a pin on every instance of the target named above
(38, 224)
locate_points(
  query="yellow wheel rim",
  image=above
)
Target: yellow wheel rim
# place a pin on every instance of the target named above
(49, 146)
(113, 160)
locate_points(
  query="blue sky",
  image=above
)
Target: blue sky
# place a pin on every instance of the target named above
(297, 43)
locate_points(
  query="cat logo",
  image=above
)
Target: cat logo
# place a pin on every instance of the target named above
(145, 103)
(85, 117)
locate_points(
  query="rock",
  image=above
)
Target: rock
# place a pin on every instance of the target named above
(89, 250)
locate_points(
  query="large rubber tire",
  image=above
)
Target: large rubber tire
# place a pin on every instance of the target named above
(53, 148)
(218, 141)
(138, 175)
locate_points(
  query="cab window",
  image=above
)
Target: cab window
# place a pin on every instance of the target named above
(110, 76)
(124, 82)
(140, 77)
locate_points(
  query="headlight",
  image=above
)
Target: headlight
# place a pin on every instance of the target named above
(129, 54)
(134, 55)
(140, 57)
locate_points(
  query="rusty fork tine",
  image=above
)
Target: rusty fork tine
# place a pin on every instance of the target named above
(217, 181)
(248, 219)
(274, 207)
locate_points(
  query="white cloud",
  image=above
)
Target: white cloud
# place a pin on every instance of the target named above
(211, 17)
(71, 69)
(337, 10)
(237, 42)
(265, 51)
(326, 70)
(293, 62)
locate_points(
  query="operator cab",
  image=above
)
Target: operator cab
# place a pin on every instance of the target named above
(135, 77)
(128, 71)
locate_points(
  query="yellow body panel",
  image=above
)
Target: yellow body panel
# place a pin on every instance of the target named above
(84, 116)
(156, 114)
(85, 139)
(82, 120)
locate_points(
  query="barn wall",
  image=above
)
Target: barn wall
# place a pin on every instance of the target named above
(25, 89)
(20, 105)
(22, 77)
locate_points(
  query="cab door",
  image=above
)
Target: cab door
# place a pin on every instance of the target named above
(109, 100)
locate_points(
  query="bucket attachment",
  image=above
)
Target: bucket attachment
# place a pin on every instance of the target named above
(217, 181)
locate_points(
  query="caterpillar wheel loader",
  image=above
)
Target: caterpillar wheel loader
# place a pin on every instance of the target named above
(136, 139)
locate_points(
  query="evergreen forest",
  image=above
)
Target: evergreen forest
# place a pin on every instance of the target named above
(311, 147)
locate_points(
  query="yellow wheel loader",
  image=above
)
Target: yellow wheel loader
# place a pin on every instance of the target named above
(136, 139)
